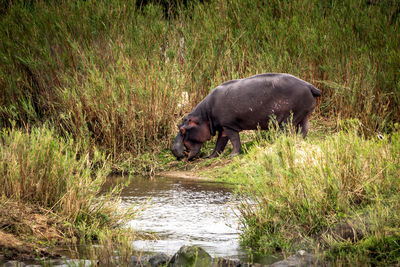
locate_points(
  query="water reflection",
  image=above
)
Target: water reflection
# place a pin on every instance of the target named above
(184, 211)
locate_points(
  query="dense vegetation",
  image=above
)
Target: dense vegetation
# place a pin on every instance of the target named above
(93, 84)
(336, 194)
(112, 73)
(50, 194)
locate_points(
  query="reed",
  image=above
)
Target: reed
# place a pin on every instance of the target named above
(43, 170)
(113, 73)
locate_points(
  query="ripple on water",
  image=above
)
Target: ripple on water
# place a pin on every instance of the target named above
(184, 211)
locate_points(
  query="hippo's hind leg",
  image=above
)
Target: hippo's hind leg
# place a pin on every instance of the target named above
(303, 125)
(220, 145)
(235, 140)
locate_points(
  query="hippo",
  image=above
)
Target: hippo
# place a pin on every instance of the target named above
(245, 104)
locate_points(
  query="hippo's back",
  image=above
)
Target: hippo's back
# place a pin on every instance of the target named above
(245, 103)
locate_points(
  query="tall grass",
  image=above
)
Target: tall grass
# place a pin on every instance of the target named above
(47, 171)
(113, 74)
(338, 194)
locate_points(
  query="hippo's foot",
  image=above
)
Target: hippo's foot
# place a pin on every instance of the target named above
(234, 154)
(213, 155)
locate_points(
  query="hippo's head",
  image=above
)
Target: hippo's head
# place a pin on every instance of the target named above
(193, 132)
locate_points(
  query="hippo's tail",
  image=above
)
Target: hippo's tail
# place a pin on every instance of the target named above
(315, 92)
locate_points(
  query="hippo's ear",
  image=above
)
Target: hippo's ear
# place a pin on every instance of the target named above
(182, 130)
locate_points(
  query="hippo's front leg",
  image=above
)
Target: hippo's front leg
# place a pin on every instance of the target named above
(220, 145)
(235, 140)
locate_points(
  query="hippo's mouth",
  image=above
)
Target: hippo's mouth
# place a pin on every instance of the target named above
(186, 151)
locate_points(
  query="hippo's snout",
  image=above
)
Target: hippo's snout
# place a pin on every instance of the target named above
(177, 147)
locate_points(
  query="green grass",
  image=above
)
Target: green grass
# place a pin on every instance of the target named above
(337, 193)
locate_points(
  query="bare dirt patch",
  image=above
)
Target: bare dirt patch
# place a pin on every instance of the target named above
(194, 169)
(27, 231)
(183, 174)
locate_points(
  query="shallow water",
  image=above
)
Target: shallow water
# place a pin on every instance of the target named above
(186, 211)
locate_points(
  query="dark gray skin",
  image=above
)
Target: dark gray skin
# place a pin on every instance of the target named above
(245, 104)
